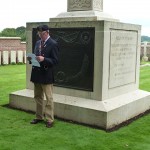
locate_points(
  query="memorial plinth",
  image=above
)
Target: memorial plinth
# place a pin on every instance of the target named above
(84, 10)
(97, 79)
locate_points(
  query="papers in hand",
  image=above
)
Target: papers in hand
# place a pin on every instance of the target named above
(33, 60)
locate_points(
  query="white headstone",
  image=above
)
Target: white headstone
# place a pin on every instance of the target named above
(20, 56)
(145, 58)
(5, 57)
(13, 57)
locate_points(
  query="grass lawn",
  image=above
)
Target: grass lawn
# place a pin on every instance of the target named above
(144, 62)
(145, 78)
(16, 133)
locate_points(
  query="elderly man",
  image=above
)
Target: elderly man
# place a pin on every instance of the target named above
(46, 51)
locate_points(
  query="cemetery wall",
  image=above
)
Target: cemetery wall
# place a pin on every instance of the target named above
(12, 50)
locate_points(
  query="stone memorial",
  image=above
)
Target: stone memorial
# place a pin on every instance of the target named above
(97, 79)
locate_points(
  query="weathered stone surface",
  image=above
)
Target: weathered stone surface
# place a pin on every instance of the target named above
(123, 52)
(85, 5)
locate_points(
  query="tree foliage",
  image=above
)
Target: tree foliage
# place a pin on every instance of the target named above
(21, 31)
(145, 39)
(12, 32)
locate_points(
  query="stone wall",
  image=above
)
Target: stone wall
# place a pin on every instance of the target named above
(12, 50)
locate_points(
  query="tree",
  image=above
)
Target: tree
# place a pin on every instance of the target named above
(12, 32)
(21, 32)
(145, 38)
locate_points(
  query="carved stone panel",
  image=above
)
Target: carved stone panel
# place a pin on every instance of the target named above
(85, 5)
(123, 53)
(76, 57)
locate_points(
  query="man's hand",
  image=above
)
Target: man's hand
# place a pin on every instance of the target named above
(29, 58)
(40, 58)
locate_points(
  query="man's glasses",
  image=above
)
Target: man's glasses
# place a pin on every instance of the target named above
(41, 33)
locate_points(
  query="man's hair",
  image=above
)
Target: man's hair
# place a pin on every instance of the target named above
(42, 28)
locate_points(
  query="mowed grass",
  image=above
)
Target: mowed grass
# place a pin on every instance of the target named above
(12, 78)
(16, 133)
(145, 78)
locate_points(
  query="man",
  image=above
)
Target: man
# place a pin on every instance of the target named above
(46, 51)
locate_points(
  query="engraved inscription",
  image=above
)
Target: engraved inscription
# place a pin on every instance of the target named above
(123, 50)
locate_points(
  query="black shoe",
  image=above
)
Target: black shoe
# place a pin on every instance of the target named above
(49, 124)
(35, 121)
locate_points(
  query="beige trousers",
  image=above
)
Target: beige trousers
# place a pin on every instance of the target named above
(42, 109)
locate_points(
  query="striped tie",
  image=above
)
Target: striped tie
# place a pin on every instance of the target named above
(42, 44)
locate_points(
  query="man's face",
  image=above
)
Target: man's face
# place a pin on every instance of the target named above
(43, 35)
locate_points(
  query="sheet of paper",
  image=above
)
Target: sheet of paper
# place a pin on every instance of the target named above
(33, 60)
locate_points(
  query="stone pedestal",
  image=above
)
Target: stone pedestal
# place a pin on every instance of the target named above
(104, 114)
(97, 79)
(83, 10)
(83, 16)
(114, 96)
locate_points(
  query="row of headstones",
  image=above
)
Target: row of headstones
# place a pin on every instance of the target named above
(9, 57)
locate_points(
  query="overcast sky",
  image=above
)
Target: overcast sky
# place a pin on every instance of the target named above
(15, 13)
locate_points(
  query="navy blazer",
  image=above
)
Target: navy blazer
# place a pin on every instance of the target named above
(44, 74)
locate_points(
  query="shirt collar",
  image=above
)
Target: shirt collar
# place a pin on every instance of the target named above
(46, 39)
